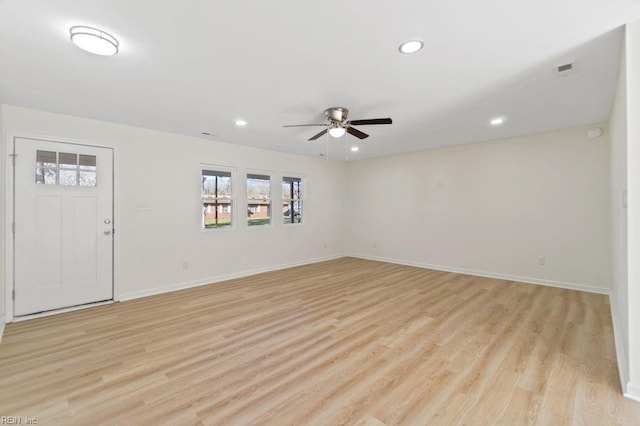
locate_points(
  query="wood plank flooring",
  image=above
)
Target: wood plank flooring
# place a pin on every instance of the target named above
(348, 341)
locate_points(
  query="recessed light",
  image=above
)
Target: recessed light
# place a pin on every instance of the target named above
(241, 123)
(94, 40)
(411, 46)
(498, 121)
(355, 149)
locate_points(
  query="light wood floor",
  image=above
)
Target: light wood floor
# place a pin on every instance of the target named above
(341, 342)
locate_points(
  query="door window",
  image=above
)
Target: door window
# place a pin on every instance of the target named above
(65, 168)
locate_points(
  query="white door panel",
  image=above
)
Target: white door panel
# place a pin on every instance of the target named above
(63, 233)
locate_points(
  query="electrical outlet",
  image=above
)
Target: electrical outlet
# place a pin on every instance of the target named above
(185, 265)
(541, 260)
(324, 245)
(374, 245)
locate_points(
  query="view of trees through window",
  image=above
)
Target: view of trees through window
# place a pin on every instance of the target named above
(292, 199)
(258, 199)
(216, 199)
(65, 168)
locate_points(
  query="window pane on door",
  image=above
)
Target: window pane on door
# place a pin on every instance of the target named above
(87, 178)
(67, 177)
(65, 168)
(46, 159)
(87, 162)
(46, 167)
(46, 176)
(67, 160)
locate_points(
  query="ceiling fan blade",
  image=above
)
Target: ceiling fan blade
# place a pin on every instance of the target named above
(313, 138)
(304, 125)
(371, 121)
(357, 133)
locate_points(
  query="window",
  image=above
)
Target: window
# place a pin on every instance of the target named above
(258, 200)
(292, 199)
(64, 168)
(217, 202)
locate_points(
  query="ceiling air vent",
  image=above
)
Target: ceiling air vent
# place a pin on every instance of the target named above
(564, 70)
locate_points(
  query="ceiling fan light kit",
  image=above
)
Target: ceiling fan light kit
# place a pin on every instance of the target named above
(337, 124)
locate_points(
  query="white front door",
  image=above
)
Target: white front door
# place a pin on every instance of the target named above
(63, 225)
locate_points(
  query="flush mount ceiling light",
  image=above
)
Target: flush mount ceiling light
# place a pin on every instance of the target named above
(94, 40)
(498, 121)
(411, 46)
(240, 123)
(337, 132)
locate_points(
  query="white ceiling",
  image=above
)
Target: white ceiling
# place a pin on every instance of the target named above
(193, 66)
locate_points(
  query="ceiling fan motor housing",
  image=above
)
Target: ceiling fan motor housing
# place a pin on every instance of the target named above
(337, 114)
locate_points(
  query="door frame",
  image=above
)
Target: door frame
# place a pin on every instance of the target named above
(10, 188)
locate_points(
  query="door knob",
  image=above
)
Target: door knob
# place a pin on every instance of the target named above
(107, 232)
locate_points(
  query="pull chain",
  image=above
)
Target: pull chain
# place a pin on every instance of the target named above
(346, 147)
(327, 147)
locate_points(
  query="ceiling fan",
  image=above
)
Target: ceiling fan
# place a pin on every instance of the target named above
(337, 124)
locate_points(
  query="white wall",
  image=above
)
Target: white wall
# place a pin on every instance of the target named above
(3, 241)
(632, 47)
(164, 169)
(625, 178)
(491, 209)
(619, 296)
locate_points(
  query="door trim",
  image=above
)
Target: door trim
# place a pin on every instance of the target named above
(10, 140)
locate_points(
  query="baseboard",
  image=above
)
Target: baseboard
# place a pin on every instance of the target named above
(527, 280)
(633, 391)
(621, 356)
(2, 323)
(213, 280)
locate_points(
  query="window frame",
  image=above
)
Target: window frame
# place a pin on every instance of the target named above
(266, 173)
(232, 201)
(303, 199)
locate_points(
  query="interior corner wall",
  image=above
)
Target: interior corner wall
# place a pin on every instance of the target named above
(619, 284)
(491, 209)
(632, 53)
(3, 240)
(163, 170)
